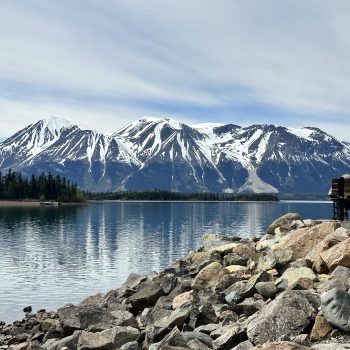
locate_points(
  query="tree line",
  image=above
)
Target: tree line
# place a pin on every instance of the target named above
(14, 186)
(162, 195)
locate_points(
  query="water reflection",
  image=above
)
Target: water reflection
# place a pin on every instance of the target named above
(50, 256)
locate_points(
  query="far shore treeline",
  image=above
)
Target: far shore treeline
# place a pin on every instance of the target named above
(14, 186)
(161, 195)
(47, 187)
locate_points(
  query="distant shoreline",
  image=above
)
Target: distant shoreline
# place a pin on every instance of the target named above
(24, 203)
(16, 203)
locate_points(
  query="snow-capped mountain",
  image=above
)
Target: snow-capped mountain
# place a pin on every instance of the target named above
(163, 153)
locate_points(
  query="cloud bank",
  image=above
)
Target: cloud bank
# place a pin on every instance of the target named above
(103, 64)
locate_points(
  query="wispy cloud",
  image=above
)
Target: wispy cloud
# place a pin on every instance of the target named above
(107, 63)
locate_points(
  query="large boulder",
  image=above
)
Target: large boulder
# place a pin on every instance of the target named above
(84, 316)
(338, 255)
(336, 308)
(147, 296)
(288, 315)
(302, 241)
(209, 276)
(112, 338)
(284, 220)
(339, 235)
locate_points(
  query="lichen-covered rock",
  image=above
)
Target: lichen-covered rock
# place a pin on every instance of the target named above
(336, 308)
(293, 274)
(235, 259)
(209, 276)
(289, 314)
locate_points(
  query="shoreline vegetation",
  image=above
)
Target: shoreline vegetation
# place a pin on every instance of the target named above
(161, 195)
(285, 290)
(15, 186)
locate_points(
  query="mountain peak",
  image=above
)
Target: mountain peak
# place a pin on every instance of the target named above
(168, 121)
(55, 124)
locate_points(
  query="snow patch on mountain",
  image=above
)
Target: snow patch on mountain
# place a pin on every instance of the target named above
(304, 133)
(164, 153)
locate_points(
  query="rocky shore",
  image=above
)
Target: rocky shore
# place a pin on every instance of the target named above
(286, 290)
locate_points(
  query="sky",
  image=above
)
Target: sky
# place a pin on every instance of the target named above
(104, 64)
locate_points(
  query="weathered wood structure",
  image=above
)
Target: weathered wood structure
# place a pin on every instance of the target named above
(340, 195)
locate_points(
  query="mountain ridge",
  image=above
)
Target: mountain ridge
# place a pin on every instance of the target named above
(166, 154)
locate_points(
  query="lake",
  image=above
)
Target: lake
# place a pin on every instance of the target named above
(52, 256)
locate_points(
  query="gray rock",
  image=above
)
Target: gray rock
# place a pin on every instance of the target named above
(301, 263)
(331, 346)
(174, 338)
(147, 296)
(246, 345)
(176, 318)
(283, 221)
(70, 342)
(208, 328)
(85, 316)
(250, 286)
(124, 318)
(336, 308)
(203, 338)
(235, 259)
(266, 289)
(234, 297)
(339, 278)
(134, 280)
(248, 306)
(195, 344)
(134, 345)
(232, 336)
(96, 299)
(287, 315)
(107, 339)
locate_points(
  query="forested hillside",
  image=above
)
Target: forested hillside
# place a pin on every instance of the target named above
(14, 186)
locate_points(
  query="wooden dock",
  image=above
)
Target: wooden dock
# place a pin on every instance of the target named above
(340, 195)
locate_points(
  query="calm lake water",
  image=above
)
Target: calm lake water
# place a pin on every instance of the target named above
(53, 256)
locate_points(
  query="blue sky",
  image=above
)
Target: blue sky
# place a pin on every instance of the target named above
(103, 64)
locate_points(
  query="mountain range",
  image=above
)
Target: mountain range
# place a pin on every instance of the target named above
(166, 154)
